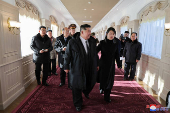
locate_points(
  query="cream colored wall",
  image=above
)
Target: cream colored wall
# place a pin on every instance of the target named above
(156, 72)
(11, 70)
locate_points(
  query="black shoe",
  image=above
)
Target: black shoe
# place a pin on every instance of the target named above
(125, 79)
(46, 84)
(49, 74)
(101, 91)
(55, 73)
(69, 87)
(107, 100)
(38, 82)
(61, 84)
(131, 79)
(78, 109)
(87, 96)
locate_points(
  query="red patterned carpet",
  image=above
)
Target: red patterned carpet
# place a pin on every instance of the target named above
(127, 97)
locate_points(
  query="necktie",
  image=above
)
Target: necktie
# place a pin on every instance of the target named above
(87, 47)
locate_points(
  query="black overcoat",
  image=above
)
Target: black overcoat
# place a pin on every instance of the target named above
(75, 54)
(109, 53)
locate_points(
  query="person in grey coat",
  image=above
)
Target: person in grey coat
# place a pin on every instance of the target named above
(53, 55)
(132, 54)
(60, 46)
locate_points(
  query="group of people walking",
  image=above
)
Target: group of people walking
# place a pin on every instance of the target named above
(78, 59)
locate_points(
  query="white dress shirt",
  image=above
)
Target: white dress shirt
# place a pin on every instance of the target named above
(84, 43)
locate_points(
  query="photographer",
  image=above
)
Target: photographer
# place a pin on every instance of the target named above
(60, 47)
(123, 40)
(41, 45)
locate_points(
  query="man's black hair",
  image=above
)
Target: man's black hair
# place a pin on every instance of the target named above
(42, 27)
(126, 31)
(49, 31)
(84, 26)
(134, 33)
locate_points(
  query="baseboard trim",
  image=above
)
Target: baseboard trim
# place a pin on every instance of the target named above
(11, 99)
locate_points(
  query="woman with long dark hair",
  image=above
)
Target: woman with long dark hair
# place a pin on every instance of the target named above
(109, 52)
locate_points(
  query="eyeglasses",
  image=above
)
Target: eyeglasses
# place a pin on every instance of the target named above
(43, 30)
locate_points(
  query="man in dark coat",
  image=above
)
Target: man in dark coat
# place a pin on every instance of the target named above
(81, 53)
(132, 54)
(41, 45)
(93, 35)
(60, 47)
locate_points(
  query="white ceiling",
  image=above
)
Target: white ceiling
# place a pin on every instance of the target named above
(122, 8)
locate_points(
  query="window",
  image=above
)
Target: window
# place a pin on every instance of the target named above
(151, 36)
(123, 29)
(27, 32)
(54, 29)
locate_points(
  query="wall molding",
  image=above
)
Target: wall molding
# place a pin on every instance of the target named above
(28, 6)
(124, 21)
(160, 5)
(53, 20)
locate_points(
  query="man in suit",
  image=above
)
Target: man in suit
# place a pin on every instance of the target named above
(60, 46)
(81, 53)
(53, 55)
(41, 45)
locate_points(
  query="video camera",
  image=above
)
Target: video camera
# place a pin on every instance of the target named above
(121, 37)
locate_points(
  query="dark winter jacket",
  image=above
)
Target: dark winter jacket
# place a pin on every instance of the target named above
(132, 51)
(38, 43)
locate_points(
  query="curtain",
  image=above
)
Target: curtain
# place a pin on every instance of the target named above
(151, 36)
(27, 32)
(54, 30)
(123, 29)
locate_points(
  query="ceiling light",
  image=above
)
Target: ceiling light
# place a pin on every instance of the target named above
(85, 16)
(89, 2)
(92, 9)
(85, 9)
(117, 9)
(87, 21)
(90, 16)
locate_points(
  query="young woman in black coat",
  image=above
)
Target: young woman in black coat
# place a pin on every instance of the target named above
(109, 52)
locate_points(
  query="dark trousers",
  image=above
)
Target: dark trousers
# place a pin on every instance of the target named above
(131, 66)
(45, 71)
(77, 97)
(63, 76)
(107, 94)
(53, 69)
(77, 94)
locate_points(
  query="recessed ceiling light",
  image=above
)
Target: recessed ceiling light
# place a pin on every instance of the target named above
(89, 2)
(85, 9)
(90, 16)
(92, 9)
(88, 21)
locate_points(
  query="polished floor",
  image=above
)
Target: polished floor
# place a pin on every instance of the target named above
(10, 108)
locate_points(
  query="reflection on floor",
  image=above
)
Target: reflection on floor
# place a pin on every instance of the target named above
(34, 84)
